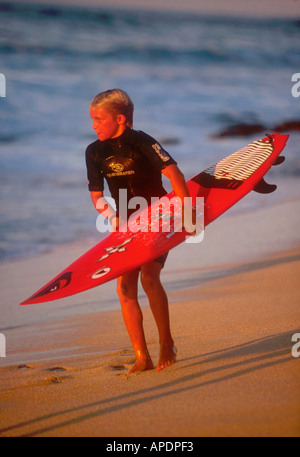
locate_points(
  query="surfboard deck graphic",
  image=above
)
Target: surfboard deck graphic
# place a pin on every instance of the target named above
(221, 185)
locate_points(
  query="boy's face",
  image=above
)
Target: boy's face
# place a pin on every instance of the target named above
(105, 124)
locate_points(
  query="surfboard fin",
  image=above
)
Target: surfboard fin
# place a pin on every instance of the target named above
(279, 160)
(264, 188)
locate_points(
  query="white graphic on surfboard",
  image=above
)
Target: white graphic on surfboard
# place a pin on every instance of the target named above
(115, 249)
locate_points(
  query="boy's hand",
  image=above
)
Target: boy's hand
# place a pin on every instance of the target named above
(186, 221)
(114, 220)
(189, 220)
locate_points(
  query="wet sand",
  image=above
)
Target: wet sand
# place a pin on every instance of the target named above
(66, 364)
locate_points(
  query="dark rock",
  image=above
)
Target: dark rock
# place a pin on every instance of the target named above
(241, 130)
(250, 129)
(287, 126)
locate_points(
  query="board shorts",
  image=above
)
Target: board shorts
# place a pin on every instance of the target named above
(162, 259)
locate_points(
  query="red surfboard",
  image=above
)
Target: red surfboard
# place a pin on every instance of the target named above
(221, 186)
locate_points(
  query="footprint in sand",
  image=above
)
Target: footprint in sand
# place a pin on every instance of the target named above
(57, 369)
(57, 379)
(25, 366)
(124, 359)
(117, 367)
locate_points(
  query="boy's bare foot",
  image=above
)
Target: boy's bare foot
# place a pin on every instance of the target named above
(141, 365)
(167, 357)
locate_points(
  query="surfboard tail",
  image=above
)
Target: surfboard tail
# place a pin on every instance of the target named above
(263, 187)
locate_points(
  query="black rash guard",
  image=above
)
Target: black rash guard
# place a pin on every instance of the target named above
(133, 161)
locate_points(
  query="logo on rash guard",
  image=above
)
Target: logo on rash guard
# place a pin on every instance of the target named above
(161, 152)
(118, 167)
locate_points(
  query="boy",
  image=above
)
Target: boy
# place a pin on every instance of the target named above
(133, 161)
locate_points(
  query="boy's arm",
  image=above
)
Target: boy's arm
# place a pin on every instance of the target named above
(95, 197)
(178, 182)
(103, 207)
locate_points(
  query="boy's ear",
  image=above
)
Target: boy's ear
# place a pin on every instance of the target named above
(121, 119)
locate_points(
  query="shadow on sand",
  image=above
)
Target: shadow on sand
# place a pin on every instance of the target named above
(204, 369)
(200, 278)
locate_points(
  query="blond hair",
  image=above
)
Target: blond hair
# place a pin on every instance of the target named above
(115, 101)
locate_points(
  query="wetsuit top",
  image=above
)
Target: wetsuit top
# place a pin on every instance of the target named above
(133, 161)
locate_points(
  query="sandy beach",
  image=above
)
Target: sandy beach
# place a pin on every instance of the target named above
(232, 320)
(234, 306)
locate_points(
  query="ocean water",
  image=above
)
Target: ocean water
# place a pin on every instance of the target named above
(190, 76)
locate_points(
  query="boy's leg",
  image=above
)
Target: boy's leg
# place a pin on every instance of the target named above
(127, 289)
(158, 300)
